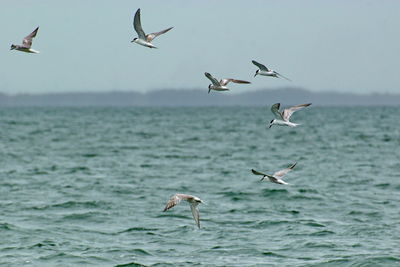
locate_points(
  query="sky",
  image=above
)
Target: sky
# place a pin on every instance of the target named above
(343, 46)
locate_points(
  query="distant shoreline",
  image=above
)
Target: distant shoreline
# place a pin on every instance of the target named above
(199, 98)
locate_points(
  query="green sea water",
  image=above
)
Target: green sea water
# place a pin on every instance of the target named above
(87, 186)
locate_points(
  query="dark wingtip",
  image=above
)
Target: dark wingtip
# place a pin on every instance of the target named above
(293, 165)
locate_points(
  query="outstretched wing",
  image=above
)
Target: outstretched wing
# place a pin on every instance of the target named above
(174, 200)
(27, 41)
(275, 110)
(195, 212)
(212, 79)
(150, 37)
(287, 113)
(225, 81)
(138, 25)
(281, 173)
(259, 65)
(257, 173)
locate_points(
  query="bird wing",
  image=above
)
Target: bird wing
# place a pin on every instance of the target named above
(212, 79)
(150, 37)
(27, 41)
(225, 81)
(195, 212)
(173, 201)
(259, 65)
(257, 173)
(275, 110)
(281, 173)
(138, 25)
(287, 113)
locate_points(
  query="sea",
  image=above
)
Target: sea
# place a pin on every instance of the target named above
(86, 186)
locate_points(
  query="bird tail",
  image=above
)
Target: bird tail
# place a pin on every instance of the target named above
(286, 78)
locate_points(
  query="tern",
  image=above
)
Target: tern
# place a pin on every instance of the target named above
(193, 201)
(282, 118)
(267, 72)
(277, 176)
(144, 39)
(221, 85)
(26, 43)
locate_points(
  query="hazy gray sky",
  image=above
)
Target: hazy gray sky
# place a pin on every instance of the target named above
(347, 46)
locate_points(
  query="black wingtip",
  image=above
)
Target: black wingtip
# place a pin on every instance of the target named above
(293, 165)
(254, 172)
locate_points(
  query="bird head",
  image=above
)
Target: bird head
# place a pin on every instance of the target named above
(13, 46)
(134, 39)
(271, 123)
(198, 200)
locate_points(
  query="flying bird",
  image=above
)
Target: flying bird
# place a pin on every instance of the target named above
(26, 43)
(282, 118)
(144, 39)
(221, 85)
(263, 70)
(193, 201)
(277, 176)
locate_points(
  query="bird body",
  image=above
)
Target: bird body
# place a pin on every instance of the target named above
(277, 176)
(26, 43)
(264, 71)
(143, 42)
(222, 84)
(144, 39)
(282, 118)
(192, 200)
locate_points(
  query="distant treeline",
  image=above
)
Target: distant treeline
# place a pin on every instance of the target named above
(196, 97)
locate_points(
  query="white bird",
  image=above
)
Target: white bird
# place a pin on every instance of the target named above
(193, 201)
(263, 70)
(221, 85)
(26, 43)
(277, 176)
(282, 118)
(144, 39)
